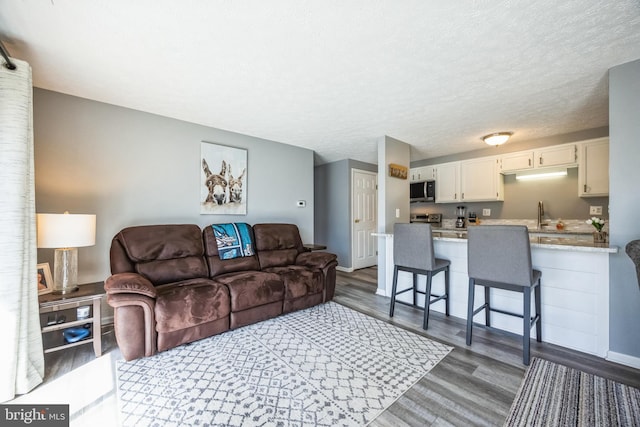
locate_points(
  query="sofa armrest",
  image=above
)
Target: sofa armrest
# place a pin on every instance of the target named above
(129, 283)
(134, 321)
(316, 259)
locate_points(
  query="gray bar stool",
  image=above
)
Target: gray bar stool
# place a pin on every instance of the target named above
(413, 252)
(500, 257)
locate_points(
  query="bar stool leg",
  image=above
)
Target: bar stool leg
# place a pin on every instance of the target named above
(415, 289)
(487, 308)
(537, 290)
(472, 286)
(427, 300)
(393, 290)
(446, 291)
(526, 336)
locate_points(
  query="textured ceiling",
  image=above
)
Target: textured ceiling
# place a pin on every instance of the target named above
(335, 76)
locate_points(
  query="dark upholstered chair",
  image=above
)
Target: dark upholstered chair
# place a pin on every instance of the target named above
(633, 250)
(413, 252)
(500, 257)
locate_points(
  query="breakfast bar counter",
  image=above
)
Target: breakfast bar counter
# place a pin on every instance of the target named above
(558, 241)
(575, 287)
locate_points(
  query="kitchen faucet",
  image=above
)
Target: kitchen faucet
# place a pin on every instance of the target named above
(541, 215)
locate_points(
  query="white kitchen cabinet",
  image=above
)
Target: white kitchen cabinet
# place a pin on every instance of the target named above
(481, 180)
(593, 168)
(447, 182)
(561, 155)
(429, 172)
(421, 173)
(413, 174)
(522, 160)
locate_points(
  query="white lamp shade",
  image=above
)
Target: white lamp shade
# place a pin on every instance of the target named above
(66, 230)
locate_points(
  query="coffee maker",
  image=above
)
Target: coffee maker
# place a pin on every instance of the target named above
(460, 212)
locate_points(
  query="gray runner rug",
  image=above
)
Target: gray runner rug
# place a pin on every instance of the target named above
(327, 365)
(556, 395)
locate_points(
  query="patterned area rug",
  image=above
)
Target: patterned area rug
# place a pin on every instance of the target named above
(326, 366)
(555, 395)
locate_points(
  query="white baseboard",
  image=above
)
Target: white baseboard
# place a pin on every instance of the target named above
(345, 269)
(624, 359)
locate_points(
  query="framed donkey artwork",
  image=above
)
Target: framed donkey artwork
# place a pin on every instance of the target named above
(223, 179)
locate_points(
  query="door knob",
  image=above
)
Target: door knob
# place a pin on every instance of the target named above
(357, 221)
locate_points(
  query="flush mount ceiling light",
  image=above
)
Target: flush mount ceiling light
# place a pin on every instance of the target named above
(497, 138)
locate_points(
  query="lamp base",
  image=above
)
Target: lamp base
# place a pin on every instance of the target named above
(65, 291)
(65, 271)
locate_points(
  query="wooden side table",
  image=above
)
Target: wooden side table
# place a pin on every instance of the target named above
(59, 312)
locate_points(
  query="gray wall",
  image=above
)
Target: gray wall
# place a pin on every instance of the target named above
(393, 193)
(131, 168)
(560, 197)
(332, 183)
(624, 165)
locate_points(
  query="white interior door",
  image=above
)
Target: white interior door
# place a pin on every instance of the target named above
(364, 218)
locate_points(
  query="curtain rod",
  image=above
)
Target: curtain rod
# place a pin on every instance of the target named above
(5, 54)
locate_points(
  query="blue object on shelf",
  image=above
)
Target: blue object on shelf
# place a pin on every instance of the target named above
(72, 335)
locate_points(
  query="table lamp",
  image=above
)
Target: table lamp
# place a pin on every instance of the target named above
(65, 232)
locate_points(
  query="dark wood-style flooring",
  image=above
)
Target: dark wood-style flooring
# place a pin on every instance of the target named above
(471, 386)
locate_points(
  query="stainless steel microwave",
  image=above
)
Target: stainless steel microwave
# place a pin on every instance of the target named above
(422, 191)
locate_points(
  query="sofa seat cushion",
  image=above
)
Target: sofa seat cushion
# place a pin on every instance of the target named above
(298, 281)
(250, 289)
(190, 303)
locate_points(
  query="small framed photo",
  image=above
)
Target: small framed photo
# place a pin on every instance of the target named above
(45, 282)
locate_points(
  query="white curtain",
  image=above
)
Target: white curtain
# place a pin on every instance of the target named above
(21, 356)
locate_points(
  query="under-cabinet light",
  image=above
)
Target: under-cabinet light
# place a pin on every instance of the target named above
(541, 175)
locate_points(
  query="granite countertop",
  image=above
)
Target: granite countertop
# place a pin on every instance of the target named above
(576, 234)
(532, 230)
(581, 242)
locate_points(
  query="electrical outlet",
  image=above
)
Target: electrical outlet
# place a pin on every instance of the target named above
(397, 213)
(486, 212)
(595, 210)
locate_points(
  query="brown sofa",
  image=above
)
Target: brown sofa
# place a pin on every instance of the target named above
(169, 286)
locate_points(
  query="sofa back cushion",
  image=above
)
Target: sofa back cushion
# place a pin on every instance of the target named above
(277, 244)
(218, 266)
(161, 253)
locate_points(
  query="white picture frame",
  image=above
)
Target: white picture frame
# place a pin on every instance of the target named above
(44, 281)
